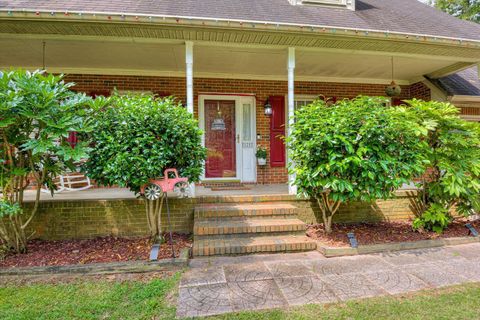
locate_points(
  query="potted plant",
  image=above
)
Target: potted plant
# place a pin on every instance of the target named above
(261, 155)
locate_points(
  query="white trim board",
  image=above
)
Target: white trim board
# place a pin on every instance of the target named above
(470, 117)
(460, 98)
(208, 75)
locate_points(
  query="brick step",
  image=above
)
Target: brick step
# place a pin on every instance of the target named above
(271, 244)
(246, 226)
(264, 209)
(239, 199)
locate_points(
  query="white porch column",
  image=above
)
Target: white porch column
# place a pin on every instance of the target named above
(291, 109)
(189, 66)
(189, 62)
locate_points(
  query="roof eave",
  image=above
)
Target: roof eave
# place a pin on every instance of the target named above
(92, 16)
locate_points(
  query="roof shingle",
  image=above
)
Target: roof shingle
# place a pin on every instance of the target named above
(405, 16)
(465, 83)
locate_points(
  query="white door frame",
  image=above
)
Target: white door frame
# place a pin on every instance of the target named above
(239, 100)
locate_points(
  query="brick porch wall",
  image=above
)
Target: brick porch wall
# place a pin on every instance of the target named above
(261, 88)
(469, 109)
(83, 219)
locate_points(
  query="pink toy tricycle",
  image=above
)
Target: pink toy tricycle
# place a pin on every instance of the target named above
(155, 188)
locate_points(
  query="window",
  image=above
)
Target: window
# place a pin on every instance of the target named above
(348, 4)
(299, 103)
(247, 122)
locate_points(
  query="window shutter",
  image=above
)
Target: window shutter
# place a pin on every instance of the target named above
(277, 132)
(72, 139)
(73, 136)
(162, 94)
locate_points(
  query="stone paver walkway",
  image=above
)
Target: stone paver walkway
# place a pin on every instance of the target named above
(229, 284)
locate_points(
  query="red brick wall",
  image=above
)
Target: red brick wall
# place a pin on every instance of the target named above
(469, 109)
(261, 88)
(420, 91)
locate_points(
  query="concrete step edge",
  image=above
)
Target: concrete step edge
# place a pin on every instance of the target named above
(198, 237)
(245, 205)
(272, 244)
(236, 227)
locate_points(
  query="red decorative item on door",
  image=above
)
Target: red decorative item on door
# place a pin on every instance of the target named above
(277, 132)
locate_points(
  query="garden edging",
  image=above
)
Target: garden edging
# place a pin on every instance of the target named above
(330, 252)
(104, 268)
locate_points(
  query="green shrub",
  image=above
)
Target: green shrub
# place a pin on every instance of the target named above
(137, 137)
(453, 154)
(37, 113)
(354, 150)
(436, 219)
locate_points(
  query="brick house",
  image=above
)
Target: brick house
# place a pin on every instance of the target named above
(227, 60)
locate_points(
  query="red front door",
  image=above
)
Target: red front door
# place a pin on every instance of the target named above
(220, 139)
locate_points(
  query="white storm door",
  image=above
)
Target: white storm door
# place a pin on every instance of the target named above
(248, 139)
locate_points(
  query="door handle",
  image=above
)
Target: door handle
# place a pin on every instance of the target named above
(238, 138)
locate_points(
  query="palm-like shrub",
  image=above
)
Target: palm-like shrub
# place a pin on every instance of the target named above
(453, 153)
(37, 112)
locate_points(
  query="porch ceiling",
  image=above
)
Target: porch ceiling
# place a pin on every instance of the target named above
(214, 60)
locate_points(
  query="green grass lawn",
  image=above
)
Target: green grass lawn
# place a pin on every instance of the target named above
(90, 300)
(155, 300)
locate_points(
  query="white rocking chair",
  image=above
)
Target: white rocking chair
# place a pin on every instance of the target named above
(71, 181)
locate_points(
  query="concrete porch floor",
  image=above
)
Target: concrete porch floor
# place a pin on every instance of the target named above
(122, 193)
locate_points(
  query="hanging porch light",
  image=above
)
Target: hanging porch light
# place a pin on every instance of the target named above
(393, 90)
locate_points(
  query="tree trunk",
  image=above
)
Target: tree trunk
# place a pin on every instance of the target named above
(328, 208)
(327, 225)
(153, 210)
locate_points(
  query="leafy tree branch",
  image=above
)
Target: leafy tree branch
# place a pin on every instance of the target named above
(37, 113)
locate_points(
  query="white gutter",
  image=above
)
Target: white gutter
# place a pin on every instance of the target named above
(94, 16)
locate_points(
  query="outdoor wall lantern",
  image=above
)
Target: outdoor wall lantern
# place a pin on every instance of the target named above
(268, 108)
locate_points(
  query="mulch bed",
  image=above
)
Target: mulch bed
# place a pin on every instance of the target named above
(383, 232)
(99, 250)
